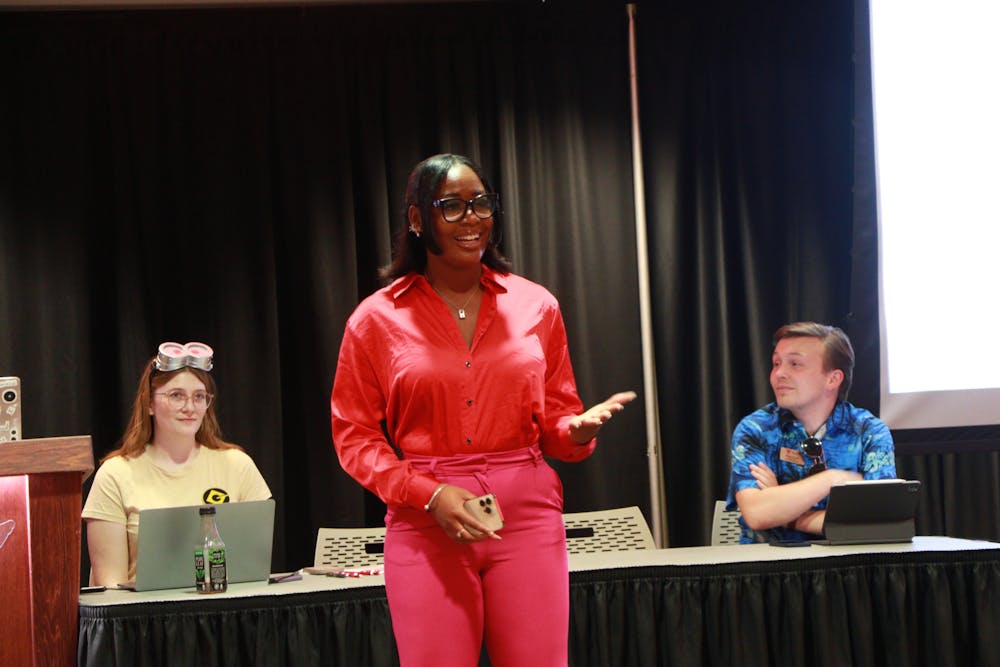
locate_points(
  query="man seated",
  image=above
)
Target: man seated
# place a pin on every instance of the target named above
(787, 455)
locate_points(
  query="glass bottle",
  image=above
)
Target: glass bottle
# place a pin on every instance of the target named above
(210, 556)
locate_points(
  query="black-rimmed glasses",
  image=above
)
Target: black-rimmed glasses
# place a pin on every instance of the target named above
(813, 448)
(454, 209)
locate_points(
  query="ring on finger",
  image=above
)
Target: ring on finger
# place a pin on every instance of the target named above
(458, 535)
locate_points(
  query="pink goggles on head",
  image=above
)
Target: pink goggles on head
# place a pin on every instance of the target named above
(172, 356)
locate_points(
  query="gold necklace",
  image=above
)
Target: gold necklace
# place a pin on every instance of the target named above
(461, 310)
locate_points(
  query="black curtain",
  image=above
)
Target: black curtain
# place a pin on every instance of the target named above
(747, 114)
(758, 151)
(234, 176)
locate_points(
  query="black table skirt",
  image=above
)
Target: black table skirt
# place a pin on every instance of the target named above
(934, 609)
(924, 608)
(343, 627)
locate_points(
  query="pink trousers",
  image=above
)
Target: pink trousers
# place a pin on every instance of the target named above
(445, 598)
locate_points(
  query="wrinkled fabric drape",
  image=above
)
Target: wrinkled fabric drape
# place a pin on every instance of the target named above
(235, 175)
(868, 610)
(757, 150)
(343, 628)
(872, 610)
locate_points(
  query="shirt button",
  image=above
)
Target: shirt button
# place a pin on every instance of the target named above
(469, 402)
(468, 441)
(468, 364)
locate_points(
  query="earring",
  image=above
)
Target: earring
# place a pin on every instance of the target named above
(414, 230)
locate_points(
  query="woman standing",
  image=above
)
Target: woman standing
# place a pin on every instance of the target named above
(453, 382)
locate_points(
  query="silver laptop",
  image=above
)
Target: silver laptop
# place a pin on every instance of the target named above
(871, 512)
(167, 537)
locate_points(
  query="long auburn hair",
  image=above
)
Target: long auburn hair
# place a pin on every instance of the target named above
(139, 431)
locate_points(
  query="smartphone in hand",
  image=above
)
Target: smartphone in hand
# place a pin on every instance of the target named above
(487, 510)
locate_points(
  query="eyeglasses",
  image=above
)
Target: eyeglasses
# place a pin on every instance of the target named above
(813, 448)
(177, 398)
(454, 209)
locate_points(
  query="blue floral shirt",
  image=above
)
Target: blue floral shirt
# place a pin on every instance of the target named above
(854, 440)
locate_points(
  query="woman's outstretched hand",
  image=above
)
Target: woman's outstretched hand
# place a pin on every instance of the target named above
(584, 427)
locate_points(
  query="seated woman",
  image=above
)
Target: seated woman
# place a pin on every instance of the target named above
(172, 454)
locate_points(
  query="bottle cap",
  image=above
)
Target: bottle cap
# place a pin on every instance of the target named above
(207, 509)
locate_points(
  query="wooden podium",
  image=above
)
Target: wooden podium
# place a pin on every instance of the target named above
(40, 504)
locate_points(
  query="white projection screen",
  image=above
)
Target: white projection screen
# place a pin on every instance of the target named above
(936, 98)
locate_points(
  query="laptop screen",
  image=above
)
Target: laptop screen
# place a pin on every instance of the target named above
(168, 535)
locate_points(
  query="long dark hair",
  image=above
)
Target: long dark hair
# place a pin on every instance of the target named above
(409, 250)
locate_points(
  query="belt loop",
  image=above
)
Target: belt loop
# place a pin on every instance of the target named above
(483, 481)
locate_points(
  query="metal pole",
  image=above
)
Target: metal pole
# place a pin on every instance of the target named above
(657, 503)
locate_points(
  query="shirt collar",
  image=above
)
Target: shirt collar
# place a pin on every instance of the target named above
(836, 418)
(491, 280)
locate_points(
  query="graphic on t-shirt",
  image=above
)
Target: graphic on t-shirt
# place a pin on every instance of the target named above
(215, 496)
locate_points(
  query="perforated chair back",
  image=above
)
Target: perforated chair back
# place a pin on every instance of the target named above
(350, 547)
(725, 525)
(622, 529)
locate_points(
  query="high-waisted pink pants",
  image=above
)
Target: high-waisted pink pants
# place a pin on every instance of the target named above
(445, 597)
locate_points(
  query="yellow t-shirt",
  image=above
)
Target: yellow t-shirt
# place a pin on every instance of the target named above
(124, 486)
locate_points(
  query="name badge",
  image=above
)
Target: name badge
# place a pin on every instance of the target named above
(791, 456)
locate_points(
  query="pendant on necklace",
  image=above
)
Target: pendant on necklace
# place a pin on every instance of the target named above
(459, 309)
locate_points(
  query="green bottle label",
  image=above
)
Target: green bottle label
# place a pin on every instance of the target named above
(199, 569)
(217, 569)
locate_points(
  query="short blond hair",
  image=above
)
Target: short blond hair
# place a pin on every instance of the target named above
(838, 354)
